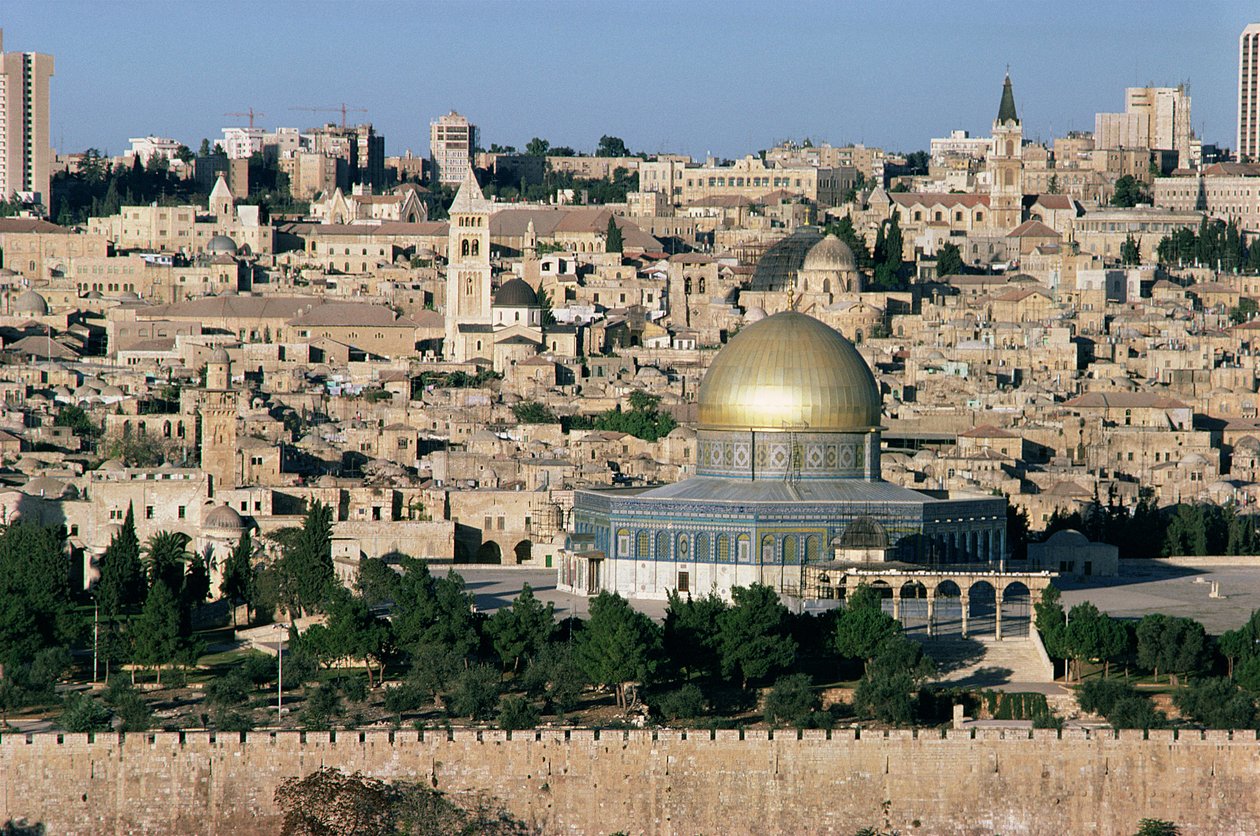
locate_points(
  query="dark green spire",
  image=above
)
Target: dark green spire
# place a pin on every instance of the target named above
(1006, 110)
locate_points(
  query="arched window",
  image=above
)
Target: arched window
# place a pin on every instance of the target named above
(643, 545)
(812, 549)
(767, 549)
(463, 247)
(683, 548)
(476, 248)
(662, 545)
(790, 553)
(623, 542)
(724, 548)
(743, 549)
(701, 550)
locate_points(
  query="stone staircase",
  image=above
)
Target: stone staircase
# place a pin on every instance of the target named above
(1007, 665)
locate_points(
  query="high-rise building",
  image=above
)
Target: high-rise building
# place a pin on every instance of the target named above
(25, 142)
(1167, 115)
(452, 144)
(1249, 93)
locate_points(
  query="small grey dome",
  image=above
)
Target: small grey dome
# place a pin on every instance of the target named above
(221, 245)
(223, 518)
(30, 302)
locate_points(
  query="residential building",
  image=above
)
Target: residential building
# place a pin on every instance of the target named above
(1249, 93)
(452, 142)
(25, 141)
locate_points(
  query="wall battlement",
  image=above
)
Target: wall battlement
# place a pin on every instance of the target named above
(661, 782)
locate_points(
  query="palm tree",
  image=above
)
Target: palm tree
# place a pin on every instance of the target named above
(164, 556)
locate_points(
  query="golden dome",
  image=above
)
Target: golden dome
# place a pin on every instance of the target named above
(789, 372)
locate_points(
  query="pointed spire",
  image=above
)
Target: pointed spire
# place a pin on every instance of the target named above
(470, 197)
(1006, 110)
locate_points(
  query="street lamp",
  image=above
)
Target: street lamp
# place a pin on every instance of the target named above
(279, 669)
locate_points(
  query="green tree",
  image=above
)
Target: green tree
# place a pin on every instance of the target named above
(792, 700)
(81, 713)
(36, 606)
(1052, 185)
(157, 630)
(1130, 253)
(1156, 827)
(618, 645)
(1128, 192)
(237, 585)
(692, 633)
(521, 630)
(77, 419)
(353, 632)
(843, 229)
(537, 147)
(1175, 646)
(533, 412)
(1218, 704)
(613, 241)
(164, 557)
(475, 693)
(754, 638)
(306, 561)
(121, 586)
(949, 261)
(886, 690)
(1051, 623)
(611, 146)
(377, 582)
(862, 626)
(556, 676)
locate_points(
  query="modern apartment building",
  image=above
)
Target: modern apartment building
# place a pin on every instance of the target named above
(25, 146)
(1249, 93)
(452, 143)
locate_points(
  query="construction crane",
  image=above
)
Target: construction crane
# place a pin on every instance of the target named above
(342, 108)
(250, 113)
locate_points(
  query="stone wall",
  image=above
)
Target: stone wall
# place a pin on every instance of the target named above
(997, 781)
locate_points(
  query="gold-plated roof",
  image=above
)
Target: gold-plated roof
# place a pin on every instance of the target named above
(789, 372)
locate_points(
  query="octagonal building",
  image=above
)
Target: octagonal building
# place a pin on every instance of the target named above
(787, 475)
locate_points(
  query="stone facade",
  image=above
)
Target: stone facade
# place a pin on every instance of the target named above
(658, 782)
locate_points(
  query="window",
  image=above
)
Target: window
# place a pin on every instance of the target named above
(683, 582)
(148, 512)
(181, 512)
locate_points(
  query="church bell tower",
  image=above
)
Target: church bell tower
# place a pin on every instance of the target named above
(1006, 165)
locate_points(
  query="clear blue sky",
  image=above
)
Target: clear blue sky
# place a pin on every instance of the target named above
(729, 78)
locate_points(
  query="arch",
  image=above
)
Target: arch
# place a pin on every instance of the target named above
(462, 554)
(476, 248)
(623, 542)
(463, 247)
(743, 548)
(1016, 609)
(813, 548)
(724, 549)
(523, 551)
(682, 547)
(701, 551)
(791, 550)
(982, 609)
(489, 552)
(913, 604)
(826, 287)
(947, 609)
(662, 545)
(643, 545)
(767, 549)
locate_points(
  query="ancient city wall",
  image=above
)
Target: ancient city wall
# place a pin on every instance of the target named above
(1000, 781)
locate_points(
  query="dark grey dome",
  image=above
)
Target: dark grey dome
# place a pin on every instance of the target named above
(777, 268)
(516, 293)
(864, 533)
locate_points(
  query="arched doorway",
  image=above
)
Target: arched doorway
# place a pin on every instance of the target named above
(1016, 607)
(913, 605)
(982, 620)
(885, 593)
(523, 551)
(489, 552)
(947, 609)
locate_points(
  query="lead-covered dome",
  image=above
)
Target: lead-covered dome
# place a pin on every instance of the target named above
(830, 254)
(516, 293)
(789, 372)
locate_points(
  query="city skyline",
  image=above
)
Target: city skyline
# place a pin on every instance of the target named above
(896, 86)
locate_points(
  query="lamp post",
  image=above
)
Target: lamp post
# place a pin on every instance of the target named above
(279, 670)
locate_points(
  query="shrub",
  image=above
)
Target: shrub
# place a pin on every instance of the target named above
(475, 693)
(1098, 696)
(686, 703)
(517, 713)
(84, 714)
(792, 700)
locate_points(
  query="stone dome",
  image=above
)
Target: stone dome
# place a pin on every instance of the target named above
(829, 254)
(789, 372)
(220, 356)
(223, 518)
(516, 293)
(754, 314)
(221, 245)
(30, 302)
